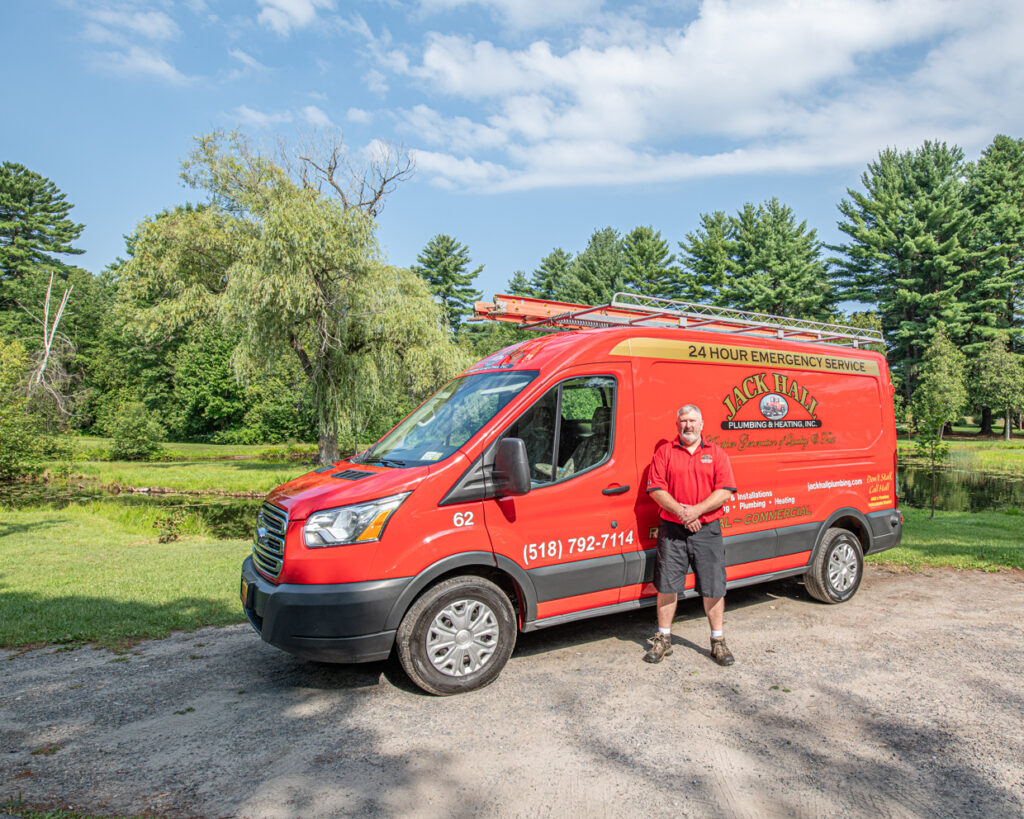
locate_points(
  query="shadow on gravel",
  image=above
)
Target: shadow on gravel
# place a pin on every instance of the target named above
(925, 770)
(892, 766)
(205, 725)
(637, 626)
(337, 756)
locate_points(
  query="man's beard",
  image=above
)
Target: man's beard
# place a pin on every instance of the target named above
(690, 437)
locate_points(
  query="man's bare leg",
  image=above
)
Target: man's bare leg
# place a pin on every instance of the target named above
(714, 608)
(667, 610)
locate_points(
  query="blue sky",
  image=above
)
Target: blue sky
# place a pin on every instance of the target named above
(532, 123)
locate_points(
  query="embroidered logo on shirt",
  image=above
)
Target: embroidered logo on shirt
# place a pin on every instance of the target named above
(705, 459)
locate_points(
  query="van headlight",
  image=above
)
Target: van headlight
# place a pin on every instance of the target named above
(358, 523)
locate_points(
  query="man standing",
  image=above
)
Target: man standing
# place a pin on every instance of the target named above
(690, 479)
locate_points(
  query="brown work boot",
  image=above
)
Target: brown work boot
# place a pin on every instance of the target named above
(661, 647)
(720, 652)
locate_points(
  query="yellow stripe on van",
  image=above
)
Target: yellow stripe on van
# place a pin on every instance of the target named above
(747, 356)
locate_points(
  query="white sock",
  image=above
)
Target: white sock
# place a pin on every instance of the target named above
(716, 635)
(665, 631)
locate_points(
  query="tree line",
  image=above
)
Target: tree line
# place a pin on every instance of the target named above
(267, 313)
(934, 246)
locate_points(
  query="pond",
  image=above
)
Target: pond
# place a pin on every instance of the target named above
(959, 490)
(225, 518)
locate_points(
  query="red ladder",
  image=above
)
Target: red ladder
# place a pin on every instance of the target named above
(627, 309)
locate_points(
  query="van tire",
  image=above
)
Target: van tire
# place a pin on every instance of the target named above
(481, 616)
(837, 568)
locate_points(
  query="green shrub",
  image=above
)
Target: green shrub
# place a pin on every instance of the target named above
(21, 441)
(136, 433)
(170, 525)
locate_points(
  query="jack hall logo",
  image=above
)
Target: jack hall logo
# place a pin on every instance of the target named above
(773, 398)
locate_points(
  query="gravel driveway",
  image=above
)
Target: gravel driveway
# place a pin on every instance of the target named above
(906, 701)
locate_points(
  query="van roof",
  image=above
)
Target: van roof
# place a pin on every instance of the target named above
(585, 346)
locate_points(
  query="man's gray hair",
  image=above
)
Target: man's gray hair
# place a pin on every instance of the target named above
(689, 408)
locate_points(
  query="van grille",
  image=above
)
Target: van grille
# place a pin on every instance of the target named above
(268, 544)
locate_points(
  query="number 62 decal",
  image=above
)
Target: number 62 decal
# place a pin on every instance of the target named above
(462, 519)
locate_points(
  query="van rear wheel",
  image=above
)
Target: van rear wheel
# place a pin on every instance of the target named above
(837, 569)
(457, 636)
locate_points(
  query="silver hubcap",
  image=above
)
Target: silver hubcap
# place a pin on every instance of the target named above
(842, 567)
(462, 638)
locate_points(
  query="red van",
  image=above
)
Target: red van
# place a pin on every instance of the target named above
(512, 499)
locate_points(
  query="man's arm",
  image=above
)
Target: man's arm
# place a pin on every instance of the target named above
(667, 502)
(710, 503)
(689, 514)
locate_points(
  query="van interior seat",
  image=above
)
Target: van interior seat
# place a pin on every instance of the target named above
(592, 449)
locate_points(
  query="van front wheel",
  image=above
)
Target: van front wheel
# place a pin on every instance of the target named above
(457, 636)
(837, 568)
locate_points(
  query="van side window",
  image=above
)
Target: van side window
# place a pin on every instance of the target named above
(568, 430)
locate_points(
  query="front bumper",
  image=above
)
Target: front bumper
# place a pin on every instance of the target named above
(333, 623)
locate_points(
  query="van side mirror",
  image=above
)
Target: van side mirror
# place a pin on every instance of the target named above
(511, 467)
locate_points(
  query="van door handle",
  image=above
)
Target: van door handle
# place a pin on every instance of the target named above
(614, 490)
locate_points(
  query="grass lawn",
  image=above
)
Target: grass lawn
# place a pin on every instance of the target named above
(231, 476)
(96, 573)
(991, 541)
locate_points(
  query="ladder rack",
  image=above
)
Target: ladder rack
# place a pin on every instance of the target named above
(632, 309)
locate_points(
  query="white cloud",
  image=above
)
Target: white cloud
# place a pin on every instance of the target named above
(154, 25)
(316, 117)
(247, 60)
(376, 81)
(94, 32)
(795, 86)
(525, 14)
(284, 15)
(359, 115)
(451, 172)
(259, 119)
(138, 61)
(459, 133)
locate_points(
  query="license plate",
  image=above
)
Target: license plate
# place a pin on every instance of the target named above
(245, 592)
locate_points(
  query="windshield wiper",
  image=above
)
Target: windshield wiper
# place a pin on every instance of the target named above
(384, 461)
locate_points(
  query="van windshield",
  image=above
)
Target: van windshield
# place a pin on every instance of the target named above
(446, 420)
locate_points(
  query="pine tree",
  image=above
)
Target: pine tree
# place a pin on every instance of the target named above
(707, 257)
(34, 224)
(599, 271)
(995, 196)
(443, 264)
(649, 266)
(553, 278)
(908, 251)
(777, 266)
(760, 260)
(995, 304)
(519, 285)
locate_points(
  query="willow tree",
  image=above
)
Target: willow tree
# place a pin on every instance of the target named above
(307, 280)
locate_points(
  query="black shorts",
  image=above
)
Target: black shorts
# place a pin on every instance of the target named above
(681, 551)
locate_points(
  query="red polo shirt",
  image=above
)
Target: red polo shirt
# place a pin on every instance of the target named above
(690, 478)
